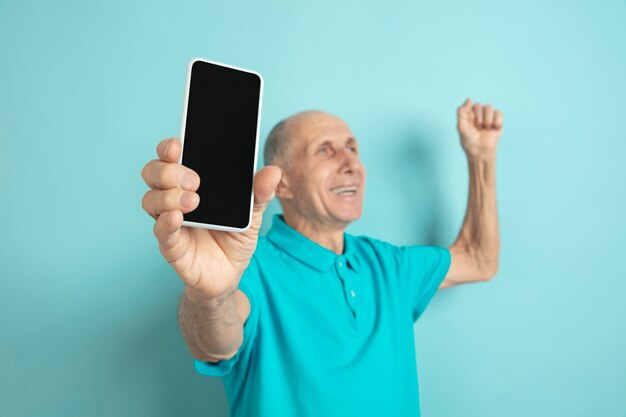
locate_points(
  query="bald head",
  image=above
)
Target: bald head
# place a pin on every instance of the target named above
(280, 142)
(323, 179)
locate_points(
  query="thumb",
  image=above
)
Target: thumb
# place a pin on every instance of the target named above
(265, 182)
(464, 111)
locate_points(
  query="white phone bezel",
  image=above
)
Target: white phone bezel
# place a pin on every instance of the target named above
(256, 142)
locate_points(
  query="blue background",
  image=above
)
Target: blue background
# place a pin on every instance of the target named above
(88, 89)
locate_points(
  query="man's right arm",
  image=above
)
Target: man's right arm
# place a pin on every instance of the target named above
(213, 329)
(209, 262)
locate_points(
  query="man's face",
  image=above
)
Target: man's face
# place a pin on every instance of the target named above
(326, 180)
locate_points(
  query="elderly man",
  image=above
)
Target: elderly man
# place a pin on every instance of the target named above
(310, 320)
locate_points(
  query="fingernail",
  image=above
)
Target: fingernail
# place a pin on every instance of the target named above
(167, 147)
(188, 181)
(186, 199)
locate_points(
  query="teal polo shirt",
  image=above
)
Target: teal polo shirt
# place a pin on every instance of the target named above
(330, 335)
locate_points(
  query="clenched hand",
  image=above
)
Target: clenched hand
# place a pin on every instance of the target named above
(480, 128)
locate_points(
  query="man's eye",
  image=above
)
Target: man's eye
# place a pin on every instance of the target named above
(322, 149)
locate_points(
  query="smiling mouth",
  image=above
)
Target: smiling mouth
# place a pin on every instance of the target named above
(344, 190)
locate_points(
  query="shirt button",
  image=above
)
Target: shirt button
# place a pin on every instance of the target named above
(352, 293)
(340, 264)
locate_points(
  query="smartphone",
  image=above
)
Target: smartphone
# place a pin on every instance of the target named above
(220, 135)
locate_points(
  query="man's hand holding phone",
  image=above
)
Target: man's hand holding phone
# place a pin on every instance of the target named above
(210, 262)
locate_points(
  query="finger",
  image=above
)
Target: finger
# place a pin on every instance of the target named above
(167, 228)
(165, 175)
(168, 150)
(498, 120)
(466, 104)
(155, 202)
(265, 183)
(487, 116)
(478, 115)
(464, 110)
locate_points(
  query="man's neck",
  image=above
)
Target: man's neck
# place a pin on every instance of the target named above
(329, 237)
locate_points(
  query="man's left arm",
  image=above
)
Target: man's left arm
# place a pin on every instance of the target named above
(474, 254)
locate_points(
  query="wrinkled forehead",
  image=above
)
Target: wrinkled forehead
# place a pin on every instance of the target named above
(312, 126)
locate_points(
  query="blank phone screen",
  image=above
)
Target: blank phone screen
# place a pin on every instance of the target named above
(219, 141)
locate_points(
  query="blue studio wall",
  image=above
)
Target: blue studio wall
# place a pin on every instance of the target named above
(88, 88)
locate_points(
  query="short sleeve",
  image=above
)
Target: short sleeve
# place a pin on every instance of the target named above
(249, 285)
(423, 268)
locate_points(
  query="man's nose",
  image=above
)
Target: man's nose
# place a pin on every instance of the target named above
(349, 161)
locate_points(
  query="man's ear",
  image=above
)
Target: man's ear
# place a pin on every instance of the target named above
(282, 190)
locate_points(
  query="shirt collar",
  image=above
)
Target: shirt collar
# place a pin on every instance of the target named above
(307, 251)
